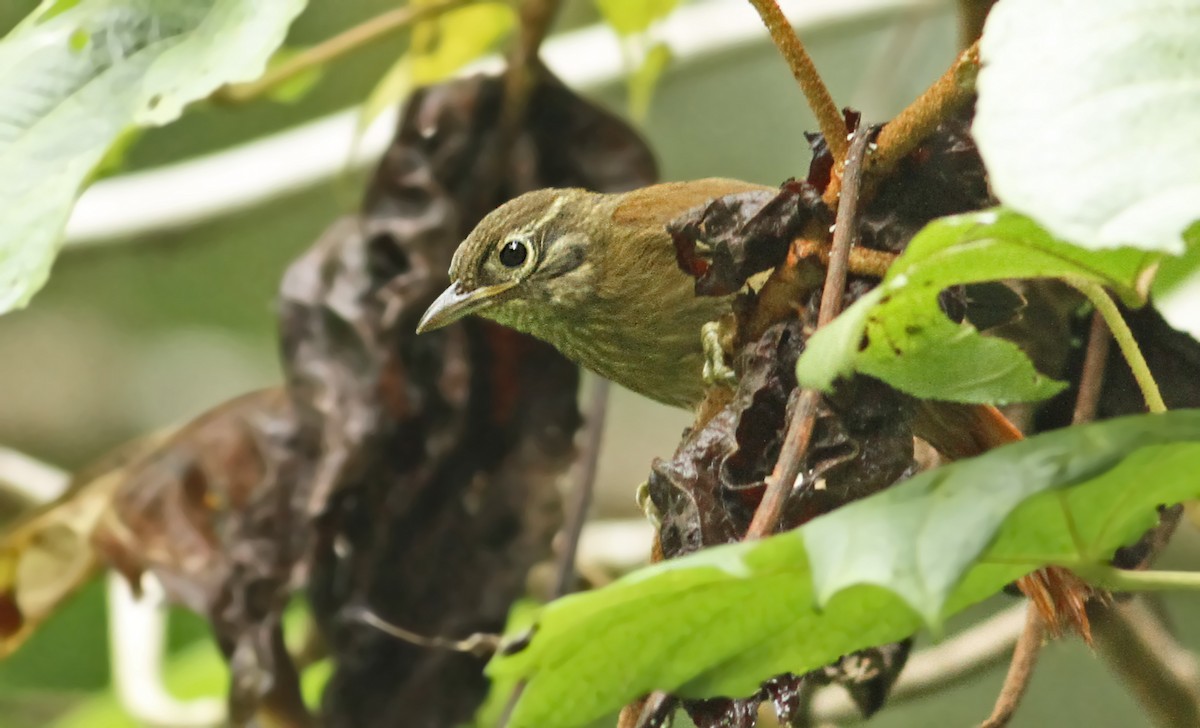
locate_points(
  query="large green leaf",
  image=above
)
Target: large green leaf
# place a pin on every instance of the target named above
(721, 621)
(73, 78)
(899, 333)
(1087, 117)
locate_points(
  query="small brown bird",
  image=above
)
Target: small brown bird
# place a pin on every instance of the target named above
(595, 276)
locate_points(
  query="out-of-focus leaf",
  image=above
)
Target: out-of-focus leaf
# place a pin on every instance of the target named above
(629, 17)
(210, 514)
(1092, 132)
(47, 555)
(910, 342)
(633, 18)
(721, 621)
(645, 78)
(439, 47)
(392, 87)
(458, 37)
(74, 80)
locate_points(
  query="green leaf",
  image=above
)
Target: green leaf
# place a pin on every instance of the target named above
(722, 620)
(73, 78)
(1092, 132)
(630, 17)
(912, 345)
(439, 47)
(458, 38)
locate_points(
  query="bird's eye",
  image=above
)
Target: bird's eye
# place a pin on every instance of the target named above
(514, 253)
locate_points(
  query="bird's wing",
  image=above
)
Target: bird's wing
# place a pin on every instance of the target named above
(660, 204)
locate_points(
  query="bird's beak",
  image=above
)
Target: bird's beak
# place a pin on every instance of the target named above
(453, 304)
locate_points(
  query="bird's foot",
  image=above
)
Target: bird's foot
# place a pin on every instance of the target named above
(642, 495)
(716, 371)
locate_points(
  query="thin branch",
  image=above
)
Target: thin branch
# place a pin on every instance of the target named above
(585, 484)
(1091, 381)
(1124, 338)
(535, 19)
(862, 261)
(511, 705)
(787, 468)
(360, 36)
(800, 429)
(903, 134)
(845, 232)
(971, 15)
(1162, 675)
(576, 512)
(480, 644)
(934, 669)
(829, 117)
(1137, 581)
(1020, 671)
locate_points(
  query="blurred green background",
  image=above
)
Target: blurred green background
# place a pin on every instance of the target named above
(133, 335)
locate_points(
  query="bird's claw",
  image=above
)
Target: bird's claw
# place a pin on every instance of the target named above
(716, 371)
(642, 495)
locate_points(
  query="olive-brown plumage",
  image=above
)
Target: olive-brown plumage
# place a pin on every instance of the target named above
(595, 276)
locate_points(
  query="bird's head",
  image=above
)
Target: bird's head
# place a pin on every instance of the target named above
(525, 254)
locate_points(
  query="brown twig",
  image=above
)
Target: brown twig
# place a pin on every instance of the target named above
(1162, 675)
(535, 18)
(862, 261)
(800, 428)
(576, 512)
(377, 28)
(829, 117)
(1024, 659)
(938, 667)
(511, 705)
(971, 14)
(585, 484)
(1092, 379)
(480, 644)
(919, 119)
(1020, 670)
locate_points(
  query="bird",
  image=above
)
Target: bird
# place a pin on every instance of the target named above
(595, 276)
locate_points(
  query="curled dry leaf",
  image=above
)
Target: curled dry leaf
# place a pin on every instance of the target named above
(46, 555)
(209, 513)
(435, 457)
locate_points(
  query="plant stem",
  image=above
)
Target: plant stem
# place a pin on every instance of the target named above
(800, 429)
(1124, 337)
(1138, 581)
(1020, 670)
(903, 134)
(585, 484)
(1159, 672)
(971, 15)
(1091, 381)
(829, 117)
(360, 36)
